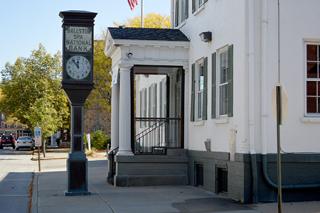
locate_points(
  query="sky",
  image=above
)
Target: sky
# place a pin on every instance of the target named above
(27, 23)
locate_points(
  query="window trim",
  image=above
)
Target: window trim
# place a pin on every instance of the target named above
(223, 49)
(198, 64)
(305, 61)
(200, 8)
(183, 13)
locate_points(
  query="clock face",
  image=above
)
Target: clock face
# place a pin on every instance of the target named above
(78, 67)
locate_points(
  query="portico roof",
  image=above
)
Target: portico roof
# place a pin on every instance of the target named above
(153, 34)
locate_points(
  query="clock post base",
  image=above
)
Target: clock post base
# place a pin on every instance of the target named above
(77, 164)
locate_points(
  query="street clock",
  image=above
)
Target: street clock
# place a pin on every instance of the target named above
(77, 47)
(77, 82)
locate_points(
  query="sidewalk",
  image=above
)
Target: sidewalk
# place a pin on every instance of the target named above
(60, 154)
(49, 187)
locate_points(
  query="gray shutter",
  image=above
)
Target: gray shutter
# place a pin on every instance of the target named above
(192, 91)
(230, 81)
(187, 9)
(205, 89)
(193, 6)
(176, 10)
(214, 86)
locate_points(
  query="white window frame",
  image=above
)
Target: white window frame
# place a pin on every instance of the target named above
(306, 79)
(182, 12)
(219, 84)
(198, 107)
(199, 4)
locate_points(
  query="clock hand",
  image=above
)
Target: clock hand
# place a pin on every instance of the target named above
(77, 64)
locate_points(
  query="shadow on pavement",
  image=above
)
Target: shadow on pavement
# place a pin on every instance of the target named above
(214, 204)
(14, 192)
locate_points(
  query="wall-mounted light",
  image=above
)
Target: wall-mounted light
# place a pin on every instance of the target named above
(206, 36)
(129, 55)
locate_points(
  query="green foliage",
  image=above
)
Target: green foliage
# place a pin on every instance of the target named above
(99, 140)
(31, 92)
(100, 96)
(151, 20)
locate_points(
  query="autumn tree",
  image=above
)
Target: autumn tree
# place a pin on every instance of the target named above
(151, 20)
(31, 92)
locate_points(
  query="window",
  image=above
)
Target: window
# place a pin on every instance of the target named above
(199, 90)
(197, 4)
(143, 105)
(312, 79)
(181, 11)
(222, 82)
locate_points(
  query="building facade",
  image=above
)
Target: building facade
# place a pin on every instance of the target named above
(199, 99)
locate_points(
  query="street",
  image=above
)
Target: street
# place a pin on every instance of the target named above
(16, 175)
(48, 189)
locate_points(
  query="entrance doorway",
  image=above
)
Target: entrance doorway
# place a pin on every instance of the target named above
(158, 111)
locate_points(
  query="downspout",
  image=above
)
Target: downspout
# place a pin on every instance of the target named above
(264, 96)
(250, 20)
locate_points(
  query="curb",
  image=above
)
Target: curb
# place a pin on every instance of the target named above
(34, 202)
(36, 159)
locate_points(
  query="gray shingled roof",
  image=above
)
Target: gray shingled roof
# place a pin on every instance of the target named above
(147, 34)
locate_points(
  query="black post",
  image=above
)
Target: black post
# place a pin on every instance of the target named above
(279, 121)
(77, 82)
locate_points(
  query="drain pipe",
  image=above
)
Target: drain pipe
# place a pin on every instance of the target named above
(265, 104)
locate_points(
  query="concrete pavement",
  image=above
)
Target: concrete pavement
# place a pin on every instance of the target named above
(50, 185)
(16, 173)
(49, 190)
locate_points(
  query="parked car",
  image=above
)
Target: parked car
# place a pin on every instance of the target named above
(24, 142)
(7, 141)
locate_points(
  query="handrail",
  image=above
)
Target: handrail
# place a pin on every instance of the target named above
(150, 119)
(152, 126)
(151, 130)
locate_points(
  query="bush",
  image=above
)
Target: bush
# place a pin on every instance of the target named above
(99, 140)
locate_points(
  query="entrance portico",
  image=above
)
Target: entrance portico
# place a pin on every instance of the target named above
(139, 51)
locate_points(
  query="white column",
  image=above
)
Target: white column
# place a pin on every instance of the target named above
(115, 113)
(125, 113)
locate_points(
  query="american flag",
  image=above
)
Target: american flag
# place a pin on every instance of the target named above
(132, 3)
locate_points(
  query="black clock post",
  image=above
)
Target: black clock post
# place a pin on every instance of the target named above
(77, 82)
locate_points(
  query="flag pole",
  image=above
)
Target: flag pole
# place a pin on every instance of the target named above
(142, 22)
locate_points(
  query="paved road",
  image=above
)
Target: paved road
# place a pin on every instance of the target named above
(15, 178)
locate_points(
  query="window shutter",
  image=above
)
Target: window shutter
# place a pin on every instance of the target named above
(205, 89)
(192, 92)
(177, 13)
(230, 81)
(186, 9)
(214, 86)
(193, 6)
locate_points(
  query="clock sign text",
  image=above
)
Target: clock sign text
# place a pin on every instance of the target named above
(78, 39)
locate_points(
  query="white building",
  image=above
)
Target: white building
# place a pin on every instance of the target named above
(194, 105)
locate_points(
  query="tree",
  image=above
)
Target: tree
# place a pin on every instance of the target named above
(100, 96)
(151, 20)
(31, 92)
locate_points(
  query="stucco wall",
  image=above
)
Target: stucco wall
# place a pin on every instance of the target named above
(252, 27)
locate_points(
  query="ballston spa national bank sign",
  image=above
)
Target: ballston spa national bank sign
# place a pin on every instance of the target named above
(78, 39)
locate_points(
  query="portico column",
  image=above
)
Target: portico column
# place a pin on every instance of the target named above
(115, 113)
(125, 113)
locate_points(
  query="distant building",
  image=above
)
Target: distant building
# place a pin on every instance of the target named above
(194, 104)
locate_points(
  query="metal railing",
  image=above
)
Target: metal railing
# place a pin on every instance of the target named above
(155, 135)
